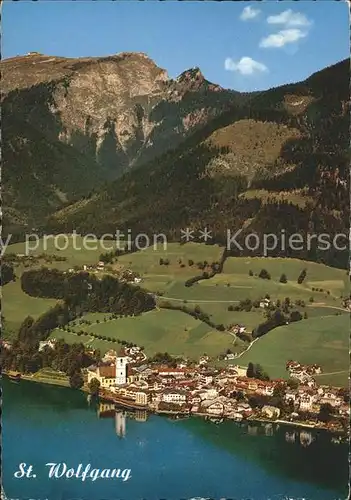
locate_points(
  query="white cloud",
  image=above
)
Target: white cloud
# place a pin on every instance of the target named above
(289, 18)
(246, 66)
(249, 13)
(282, 38)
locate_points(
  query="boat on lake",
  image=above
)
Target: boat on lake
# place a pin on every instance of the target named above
(14, 376)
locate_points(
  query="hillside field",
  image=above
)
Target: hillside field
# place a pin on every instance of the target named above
(158, 331)
(16, 305)
(179, 333)
(78, 253)
(323, 340)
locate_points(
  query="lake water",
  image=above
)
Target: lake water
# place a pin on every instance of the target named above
(169, 459)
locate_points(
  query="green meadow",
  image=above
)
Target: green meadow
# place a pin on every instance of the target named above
(158, 331)
(77, 251)
(16, 305)
(322, 340)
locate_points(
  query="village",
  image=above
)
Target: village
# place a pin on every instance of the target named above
(129, 381)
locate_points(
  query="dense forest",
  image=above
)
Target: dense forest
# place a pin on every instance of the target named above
(86, 292)
(7, 273)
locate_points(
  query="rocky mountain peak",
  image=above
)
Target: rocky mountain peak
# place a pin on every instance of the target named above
(193, 80)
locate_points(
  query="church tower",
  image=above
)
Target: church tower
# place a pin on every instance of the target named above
(121, 369)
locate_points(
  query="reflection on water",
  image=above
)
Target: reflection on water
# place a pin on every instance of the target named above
(219, 459)
(108, 410)
(302, 437)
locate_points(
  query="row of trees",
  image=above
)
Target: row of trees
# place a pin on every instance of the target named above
(264, 274)
(256, 371)
(275, 319)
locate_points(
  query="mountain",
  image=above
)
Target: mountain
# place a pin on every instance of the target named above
(69, 125)
(97, 144)
(278, 161)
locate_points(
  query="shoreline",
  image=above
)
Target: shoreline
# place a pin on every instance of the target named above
(130, 405)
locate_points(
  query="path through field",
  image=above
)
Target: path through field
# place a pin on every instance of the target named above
(198, 300)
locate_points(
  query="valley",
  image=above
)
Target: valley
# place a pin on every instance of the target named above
(220, 303)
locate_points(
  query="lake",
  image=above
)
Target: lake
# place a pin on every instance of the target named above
(168, 459)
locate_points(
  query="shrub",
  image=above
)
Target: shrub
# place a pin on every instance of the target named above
(264, 274)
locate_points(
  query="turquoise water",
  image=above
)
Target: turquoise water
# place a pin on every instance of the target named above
(169, 459)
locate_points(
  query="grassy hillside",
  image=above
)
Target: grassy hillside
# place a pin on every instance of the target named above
(75, 254)
(158, 331)
(323, 340)
(16, 305)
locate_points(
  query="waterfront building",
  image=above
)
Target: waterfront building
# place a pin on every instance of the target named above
(271, 411)
(142, 398)
(174, 396)
(213, 407)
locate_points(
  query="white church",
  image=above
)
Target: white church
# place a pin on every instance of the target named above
(111, 374)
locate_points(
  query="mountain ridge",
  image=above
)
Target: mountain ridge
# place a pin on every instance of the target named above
(184, 136)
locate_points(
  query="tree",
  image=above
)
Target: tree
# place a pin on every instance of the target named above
(250, 273)
(325, 412)
(94, 386)
(293, 383)
(240, 396)
(76, 380)
(260, 373)
(264, 274)
(295, 316)
(302, 276)
(283, 278)
(250, 372)
(279, 391)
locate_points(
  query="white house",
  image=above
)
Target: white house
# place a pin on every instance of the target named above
(174, 396)
(206, 378)
(213, 407)
(47, 343)
(208, 394)
(142, 398)
(306, 402)
(271, 411)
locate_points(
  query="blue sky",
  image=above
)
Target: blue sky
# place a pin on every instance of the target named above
(267, 44)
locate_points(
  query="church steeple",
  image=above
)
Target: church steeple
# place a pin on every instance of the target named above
(121, 368)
